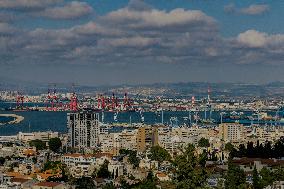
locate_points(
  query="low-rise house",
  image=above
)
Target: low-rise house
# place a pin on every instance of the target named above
(248, 164)
(7, 151)
(49, 185)
(102, 157)
(45, 175)
(84, 164)
(139, 173)
(72, 160)
(148, 164)
(43, 136)
(23, 183)
(99, 182)
(276, 185)
(163, 176)
(116, 168)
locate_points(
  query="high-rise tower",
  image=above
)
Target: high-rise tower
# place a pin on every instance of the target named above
(83, 129)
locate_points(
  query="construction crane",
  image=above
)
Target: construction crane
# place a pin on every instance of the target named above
(20, 101)
(73, 100)
(52, 99)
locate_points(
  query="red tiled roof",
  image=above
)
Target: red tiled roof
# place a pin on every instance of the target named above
(99, 155)
(270, 162)
(48, 184)
(161, 175)
(20, 180)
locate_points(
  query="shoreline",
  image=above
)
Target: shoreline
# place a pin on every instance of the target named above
(17, 119)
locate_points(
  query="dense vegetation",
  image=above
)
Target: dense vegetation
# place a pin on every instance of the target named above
(132, 156)
(203, 142)
(38, 144)
(54, 144)
(266, 150)
(159, 154)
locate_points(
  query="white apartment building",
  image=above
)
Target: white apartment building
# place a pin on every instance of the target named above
(173, 138)
(83, 129)
(79, 164)
(113, 142)
(44, 136)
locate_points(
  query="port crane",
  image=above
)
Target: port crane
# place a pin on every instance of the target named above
(20, 101)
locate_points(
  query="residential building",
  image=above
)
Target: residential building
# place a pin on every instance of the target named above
(49, 185)
(43, 136)
(231, 132)
(147, 136)
(83, 129)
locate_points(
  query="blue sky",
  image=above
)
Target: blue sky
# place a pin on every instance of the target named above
(112, 42)
(230, 24)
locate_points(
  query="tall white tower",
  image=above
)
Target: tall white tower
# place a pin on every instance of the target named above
(83, 129)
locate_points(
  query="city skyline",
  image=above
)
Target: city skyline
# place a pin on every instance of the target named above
(139, 42)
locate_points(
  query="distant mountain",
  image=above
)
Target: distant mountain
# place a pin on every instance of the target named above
(181, 89)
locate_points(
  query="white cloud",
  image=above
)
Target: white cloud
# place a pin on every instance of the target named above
(93, 28)
(138, 33)
(26, 4)
(71, 10)
(157, 18)
(255, 9)
(135, 42)
(256, 39)
(252, 38)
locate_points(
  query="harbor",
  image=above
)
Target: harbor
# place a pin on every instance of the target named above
(16, 119)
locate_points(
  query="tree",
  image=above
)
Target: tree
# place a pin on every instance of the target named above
(132, 156)
(279, 148)
(133, 159)
(203, 158)
(84, 182)
(39, 144)
(229, 146)
(148, 183)
(54, 165)
(242, 151)
(213, 156)
(54, 144)
(235, 178)
(203, 142)
(259, 150)
(159, 154)
(108, 186)
(2, 161)
(267, 177)
(250, 152)
(279, 174)
(34, 160)
(189, 174)
(267, 151)
(103, 171)
(255, 179)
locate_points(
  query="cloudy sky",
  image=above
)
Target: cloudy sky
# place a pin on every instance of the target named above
(97, 42)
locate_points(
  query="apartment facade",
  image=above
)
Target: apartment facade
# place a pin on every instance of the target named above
(83, 129)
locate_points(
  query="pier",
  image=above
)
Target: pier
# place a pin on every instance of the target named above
(17, 118)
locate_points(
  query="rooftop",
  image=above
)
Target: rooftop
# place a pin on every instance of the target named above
(48, 184)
